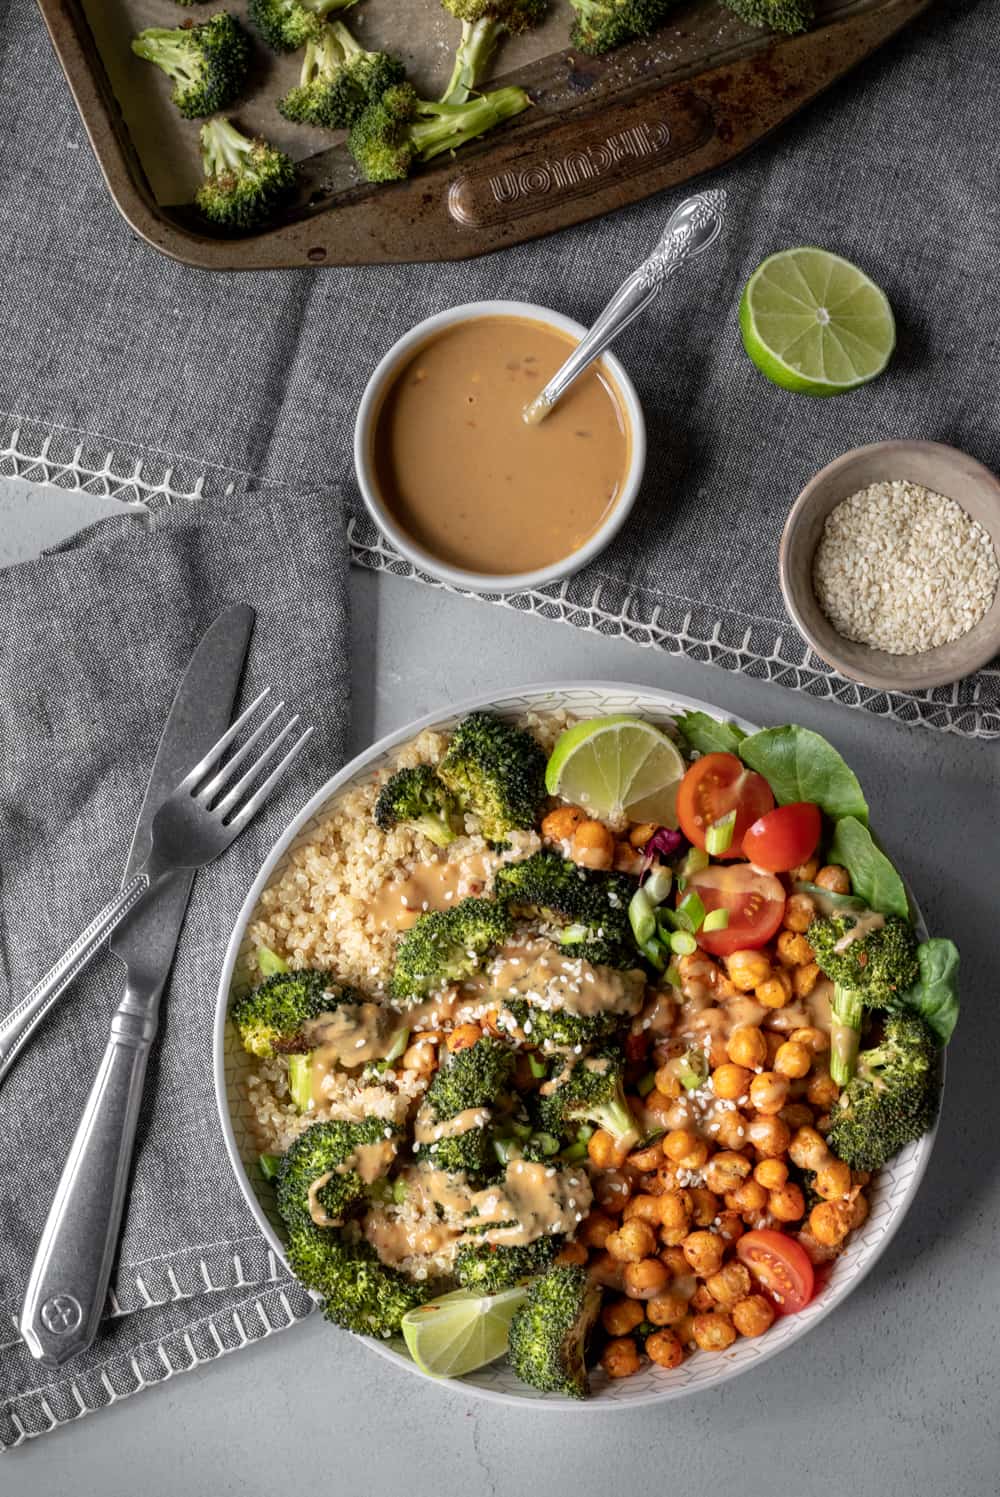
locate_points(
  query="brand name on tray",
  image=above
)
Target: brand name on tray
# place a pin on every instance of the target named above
(580, 166)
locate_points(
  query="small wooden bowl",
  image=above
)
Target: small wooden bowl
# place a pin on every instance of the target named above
(935, 466)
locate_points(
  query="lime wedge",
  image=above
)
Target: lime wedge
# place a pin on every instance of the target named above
(461, 1331)
(617, 768)
(813, 322)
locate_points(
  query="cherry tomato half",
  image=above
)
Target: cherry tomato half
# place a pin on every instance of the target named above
(780, 1266)
(784, 838)
(755, 901)
(714, 786)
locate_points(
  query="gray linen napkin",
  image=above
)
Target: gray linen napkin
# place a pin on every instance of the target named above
(94, 638)
(130, 373)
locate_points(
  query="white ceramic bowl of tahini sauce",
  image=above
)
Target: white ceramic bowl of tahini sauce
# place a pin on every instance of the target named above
(540, 533)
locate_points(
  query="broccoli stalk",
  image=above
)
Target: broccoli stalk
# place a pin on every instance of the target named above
(846, 1013)
(483, 24)
(548, 1335)
(246, 180)
(871, 961)
(779, 15)
(401, 129)
(601, 25)
(417, 798)
(287, 25)
(207, 62)
(339, 80)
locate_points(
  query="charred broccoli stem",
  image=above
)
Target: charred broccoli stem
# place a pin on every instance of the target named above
(483, 24)
(892, 1099)
(246, 180)
(333, 1150)
(339, 80)
(207, 62)
(548, 1335)
(417, 798)
(601, 25)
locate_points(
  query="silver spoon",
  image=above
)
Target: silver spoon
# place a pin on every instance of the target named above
(692, 227)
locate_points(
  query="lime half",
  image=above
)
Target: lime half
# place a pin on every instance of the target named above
(815, 323)
(461, 1331)
(617, 768)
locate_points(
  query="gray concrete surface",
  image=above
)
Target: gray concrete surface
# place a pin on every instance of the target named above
(896, 1394)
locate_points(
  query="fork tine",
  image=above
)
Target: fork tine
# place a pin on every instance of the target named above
(236, 794)
(194, 776)
(219, 781)
(260, 795)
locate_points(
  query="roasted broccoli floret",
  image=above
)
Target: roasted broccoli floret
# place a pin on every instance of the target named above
(779, 15)
(548, 1335)
(893, 1097)
(359, 1292)
(469, 1153)
(353, 1155)
(246, 180)
(446, 946)
(591, 908)
(207, 62)
(557, 1027)
(591, 1091)
(287, 25)
(475, 1080)
(496, 770)
(483, 24)
(601, 25)
(488, 1268)
(339, 80)
(869, 969)
(270, 1018)
(419, 799)
(401, 128)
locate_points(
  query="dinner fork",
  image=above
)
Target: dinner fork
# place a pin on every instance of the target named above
(197, 822)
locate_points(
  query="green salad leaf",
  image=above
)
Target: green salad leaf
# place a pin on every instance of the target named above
(800, 765)
(935, 994)
(708, 735)
(873, 877)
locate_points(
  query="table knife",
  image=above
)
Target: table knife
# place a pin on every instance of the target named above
(69, 1279)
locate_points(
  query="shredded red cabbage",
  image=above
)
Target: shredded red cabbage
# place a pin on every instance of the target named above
(663, 844)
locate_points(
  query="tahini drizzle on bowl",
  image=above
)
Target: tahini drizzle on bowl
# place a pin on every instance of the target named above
(467, 478)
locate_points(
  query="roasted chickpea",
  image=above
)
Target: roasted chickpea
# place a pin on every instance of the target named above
(833, 1180)
(701, 1300)
(572, 1253)
(675, 1209)
(685, 1148)
(859, 1210)
(792, 1060)
(641, 833)
(560, 824)
(822, 1090)
(834, 878)
(668, 1085)
(421, 1057)
(595, 1229)
(645, 1207)
(634, 1239)
(621, 1316)
(620, 1357)
(730, 1226)
(646, 1159)
(769, 1135)
(793, 949)
(774, 1041)
(714, 1331)
(704, 1206)
(726, 1171)
(463, 1037)
(612, 1190)
(663, 1348)
(730, 1128)
(815, 1040)
(800, 911)
(607, 1272)
(602, 1150)
(805, 873)
(747, 969)
(771, 1173)
(748, 1198)
(787, 1203)
(646, 1278)
(830, 1222)
(797, 1115)
(861, 1177)
(747, 1047)
(808, 1149)
(729, 1285)
(753, 1315)
(776, 992)
(769, 1092)
(593, 846)
(684, 1331)
(675, 1260)
(667, 1308)
(703, 1251)
(730, 1082)
(627, 860)
(804, 979)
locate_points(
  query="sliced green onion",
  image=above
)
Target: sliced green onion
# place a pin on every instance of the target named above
(682, 943)
(520, 1130)
(399, 1191)
(716, 920)
(690, 911)
(667, 920)
(537, 1065)
(646, 1083)
(269, 1165)
(547, 1143)
(719, 836)
(658, 885)
(653, 952)
(506, 1149)
(641, 917)
(573, 933)
(651, 1138)
(300, 1081)
(585, 1132)
(574, 1152)
(269, 963)
(397, 1047)
(672, 976)
(692, 1072)
(695, 861)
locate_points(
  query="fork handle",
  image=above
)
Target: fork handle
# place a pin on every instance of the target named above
(17, 1028)
(69, 1277)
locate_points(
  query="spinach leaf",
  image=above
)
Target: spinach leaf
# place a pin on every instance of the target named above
(800, 765)
(707, 735)
(873, 877)
(935, 994)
